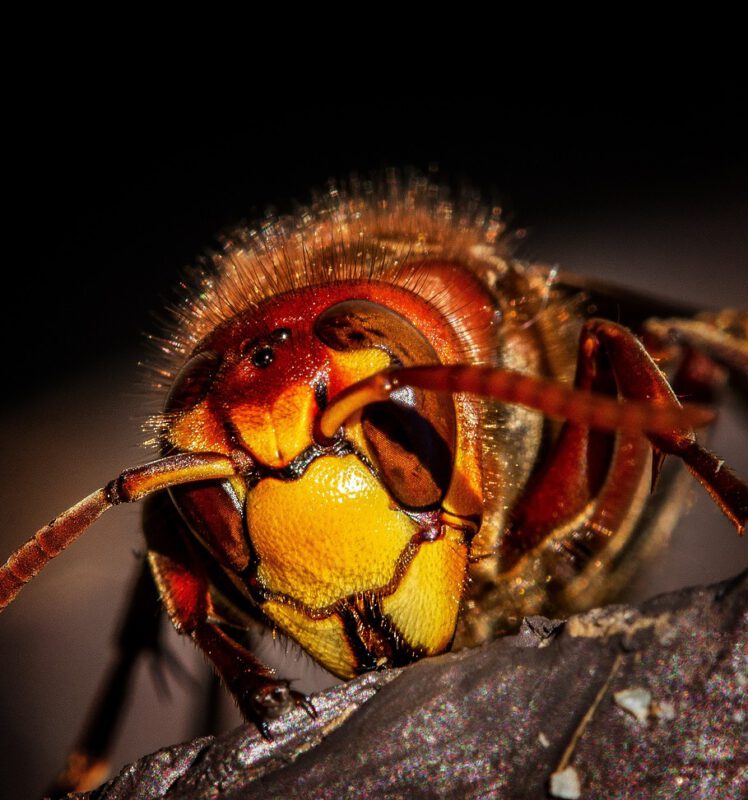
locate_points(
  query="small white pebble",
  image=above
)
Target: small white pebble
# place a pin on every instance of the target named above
(543, 739)
(565, 784)
(635, 701)
(663, 710)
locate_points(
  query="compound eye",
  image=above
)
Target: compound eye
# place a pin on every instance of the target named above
(193, 382)
(412, 441)
(411, 437)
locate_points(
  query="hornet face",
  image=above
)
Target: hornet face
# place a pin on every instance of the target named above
(356, 546)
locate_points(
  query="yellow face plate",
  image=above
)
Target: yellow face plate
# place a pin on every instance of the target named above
(331, 533)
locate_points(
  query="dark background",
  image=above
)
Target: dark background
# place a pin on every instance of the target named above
(107, 202)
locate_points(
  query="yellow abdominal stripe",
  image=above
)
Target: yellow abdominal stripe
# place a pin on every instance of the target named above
(334, 533)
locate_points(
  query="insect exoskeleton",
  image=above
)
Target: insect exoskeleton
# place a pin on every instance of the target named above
(384, 436)
(356, 544)
(380, 542)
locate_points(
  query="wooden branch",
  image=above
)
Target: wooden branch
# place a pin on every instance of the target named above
(619, 702)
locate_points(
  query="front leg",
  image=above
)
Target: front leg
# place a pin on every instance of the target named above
(638, 378)
(185, 592)
(261, 696)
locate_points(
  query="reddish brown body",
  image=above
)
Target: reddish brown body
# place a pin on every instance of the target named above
(384, 436)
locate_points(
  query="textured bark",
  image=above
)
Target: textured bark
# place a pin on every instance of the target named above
(499, 720)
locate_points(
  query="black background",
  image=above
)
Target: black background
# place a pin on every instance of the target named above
(107, 200)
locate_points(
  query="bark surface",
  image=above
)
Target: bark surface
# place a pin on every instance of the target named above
(620, 702)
